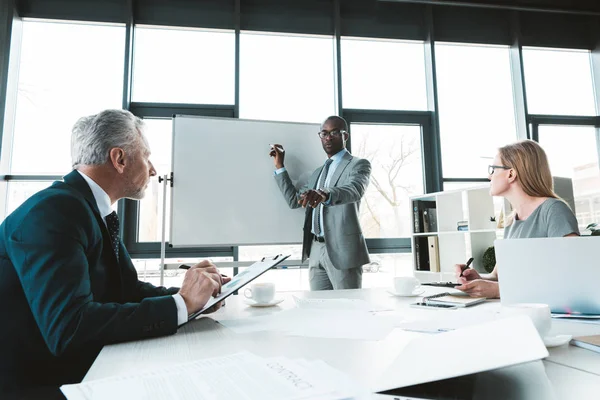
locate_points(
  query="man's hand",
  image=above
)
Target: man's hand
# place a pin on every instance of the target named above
(312, 198)
(201, 281)
(278, 155)
(481, 288)
(468, 274)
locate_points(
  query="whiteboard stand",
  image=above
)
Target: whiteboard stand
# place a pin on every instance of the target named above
(163, 179)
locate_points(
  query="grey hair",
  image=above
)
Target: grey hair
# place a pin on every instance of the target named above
(93, 136)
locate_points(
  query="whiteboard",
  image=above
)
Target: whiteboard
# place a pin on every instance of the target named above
(224, 191)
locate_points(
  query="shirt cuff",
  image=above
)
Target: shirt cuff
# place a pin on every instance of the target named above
(182, 312)
(280, 171)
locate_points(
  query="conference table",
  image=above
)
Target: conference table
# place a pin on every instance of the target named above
(569, 371)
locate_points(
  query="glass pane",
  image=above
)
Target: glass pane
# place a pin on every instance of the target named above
(286, 78)
(255, 253)
(383, 74)
(397, 173)
(383, 269)
(18, 192)
(558, 81)
(67, 70)
(380, 273)
(184, 66)
(573, 153)
(149, 269)
(159, 134)
(476, 107)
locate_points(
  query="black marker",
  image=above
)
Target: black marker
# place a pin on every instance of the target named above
(466, 267)
(185, 266)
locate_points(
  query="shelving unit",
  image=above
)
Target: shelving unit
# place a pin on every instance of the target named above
(437, 243)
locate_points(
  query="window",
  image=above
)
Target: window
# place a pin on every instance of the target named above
(558, 82)
(573, 153)
(159, 134)
(183, 66)
(286, 78)
(67, 70)
(383, 74)
(476, 108)
(397, 173)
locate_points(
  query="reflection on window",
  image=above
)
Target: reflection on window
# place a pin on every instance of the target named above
(476, 107)
(183, 66)
(379, 274)
(575, 158)
(18, 192)
(286, 78)
(383, 74)
(558, 81)
(160, 138)
(397, 173)
(66, 71)
(148, 270)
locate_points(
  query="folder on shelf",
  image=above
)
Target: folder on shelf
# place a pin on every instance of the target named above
(434, 253)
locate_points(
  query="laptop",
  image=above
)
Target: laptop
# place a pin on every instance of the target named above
(561, 272)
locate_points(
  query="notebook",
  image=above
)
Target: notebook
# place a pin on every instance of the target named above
(587, 342)
(457, 300)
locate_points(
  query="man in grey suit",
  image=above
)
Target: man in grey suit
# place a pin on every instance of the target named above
(332, 234)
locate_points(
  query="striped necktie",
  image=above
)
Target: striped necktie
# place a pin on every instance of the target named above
(317, 210)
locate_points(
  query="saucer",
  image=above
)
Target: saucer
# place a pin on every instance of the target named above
(415, 293)
(558, 340)
(253, 303)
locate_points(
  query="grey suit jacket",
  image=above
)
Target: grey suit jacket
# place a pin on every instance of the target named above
(345, 242)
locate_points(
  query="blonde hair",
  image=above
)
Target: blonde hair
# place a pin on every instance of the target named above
(530, 162)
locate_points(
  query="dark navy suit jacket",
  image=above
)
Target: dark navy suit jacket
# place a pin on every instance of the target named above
(64, 294)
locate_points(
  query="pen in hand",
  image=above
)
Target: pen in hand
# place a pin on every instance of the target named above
(185, 266)
(466, 267)
(278, 148)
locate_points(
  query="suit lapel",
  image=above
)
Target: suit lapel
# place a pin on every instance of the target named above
(76, 181)
(340, 168)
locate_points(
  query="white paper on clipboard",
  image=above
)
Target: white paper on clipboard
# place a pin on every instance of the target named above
(242, 279)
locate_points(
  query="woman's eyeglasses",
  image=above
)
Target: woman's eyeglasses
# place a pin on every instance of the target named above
(491, 168)
(336, 134)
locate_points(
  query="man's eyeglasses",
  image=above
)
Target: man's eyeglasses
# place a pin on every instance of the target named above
(491, 168)
(335, 133)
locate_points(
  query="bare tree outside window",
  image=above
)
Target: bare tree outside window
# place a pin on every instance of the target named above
(395, 155)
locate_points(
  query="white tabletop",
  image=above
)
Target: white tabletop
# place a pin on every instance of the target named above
(570, 369)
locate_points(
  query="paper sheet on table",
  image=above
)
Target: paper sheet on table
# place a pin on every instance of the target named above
(338, 304)
(239, 376)
(323, 323)
(449, 320)
(432, 358)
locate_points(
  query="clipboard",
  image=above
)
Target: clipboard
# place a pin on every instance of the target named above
(239, 281)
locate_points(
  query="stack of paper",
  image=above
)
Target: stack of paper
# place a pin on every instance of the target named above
(238, 376)
(434, 357)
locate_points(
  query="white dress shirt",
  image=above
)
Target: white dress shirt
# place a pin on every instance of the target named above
(336, 160)
(104, 206)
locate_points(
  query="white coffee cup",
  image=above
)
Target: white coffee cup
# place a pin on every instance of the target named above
(539, 313)
(406, 285)
(262, 293)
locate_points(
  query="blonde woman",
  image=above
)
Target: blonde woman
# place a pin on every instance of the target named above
(521, 174)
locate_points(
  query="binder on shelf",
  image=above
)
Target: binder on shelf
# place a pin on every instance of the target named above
(434, 253)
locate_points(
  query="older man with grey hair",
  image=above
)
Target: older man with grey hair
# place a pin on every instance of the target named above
(67, 283)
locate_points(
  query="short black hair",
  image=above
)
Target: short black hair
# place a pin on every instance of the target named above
(337, 121)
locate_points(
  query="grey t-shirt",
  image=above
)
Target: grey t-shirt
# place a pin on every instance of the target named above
(552, 218)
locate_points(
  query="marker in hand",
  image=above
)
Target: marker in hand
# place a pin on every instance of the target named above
(466, 267)
(278, 148)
